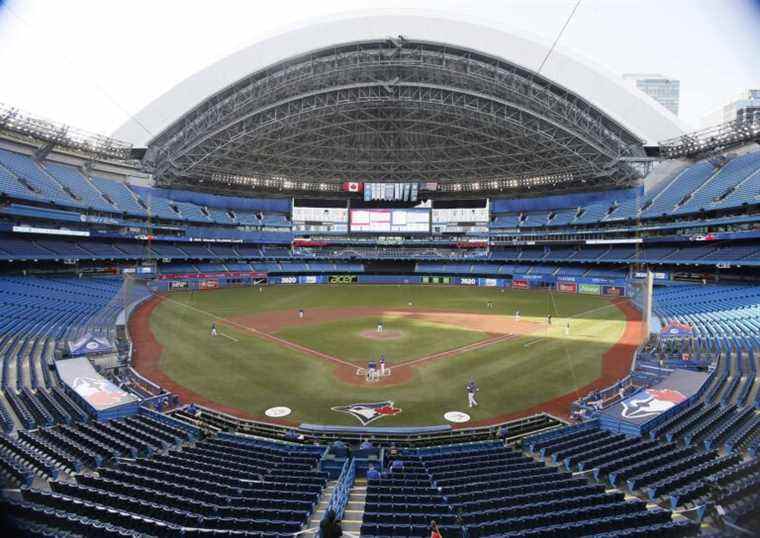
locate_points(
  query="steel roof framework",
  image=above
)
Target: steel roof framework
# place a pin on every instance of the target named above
(396, 110)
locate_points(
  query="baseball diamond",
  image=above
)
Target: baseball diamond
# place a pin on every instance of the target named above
(380, 273)
(447, 337)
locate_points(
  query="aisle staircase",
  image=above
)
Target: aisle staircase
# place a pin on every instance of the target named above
(352, 519)
(354, 515)
(319, 511)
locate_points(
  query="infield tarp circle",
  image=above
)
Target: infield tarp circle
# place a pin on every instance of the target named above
(278, 412)
(457, 417)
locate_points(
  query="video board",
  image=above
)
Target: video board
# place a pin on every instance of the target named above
(390, 220)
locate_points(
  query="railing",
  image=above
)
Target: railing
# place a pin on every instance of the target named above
(340, 495)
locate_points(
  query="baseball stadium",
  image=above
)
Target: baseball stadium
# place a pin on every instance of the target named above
(382, 275)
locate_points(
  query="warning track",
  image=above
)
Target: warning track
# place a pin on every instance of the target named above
(147, 351)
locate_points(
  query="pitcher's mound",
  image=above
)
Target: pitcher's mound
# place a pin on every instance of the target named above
(385, 335)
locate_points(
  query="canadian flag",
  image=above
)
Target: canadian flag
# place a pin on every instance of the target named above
(352, 186)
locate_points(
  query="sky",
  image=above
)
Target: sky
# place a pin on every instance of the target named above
(92, 64)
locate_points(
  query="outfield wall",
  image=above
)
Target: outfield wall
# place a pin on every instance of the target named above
(580, 285)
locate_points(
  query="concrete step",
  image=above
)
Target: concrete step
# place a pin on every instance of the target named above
(351, 525)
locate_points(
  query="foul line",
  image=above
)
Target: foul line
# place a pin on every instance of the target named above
(230, 337)
(592, 310)
(298, 347)
(462, 349)
(536, 341)
(266, 336)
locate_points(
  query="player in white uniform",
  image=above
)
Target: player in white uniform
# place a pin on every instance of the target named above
(382, 365)
(371, 371)
(472, 389)
(380, 326)
(213, 329)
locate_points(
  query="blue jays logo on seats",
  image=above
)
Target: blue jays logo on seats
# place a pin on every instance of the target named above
(651, 402)
(99, 392)
(368, 412)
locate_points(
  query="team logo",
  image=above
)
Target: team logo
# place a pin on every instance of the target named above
(651, 402)
(99, 392)
(368, 412)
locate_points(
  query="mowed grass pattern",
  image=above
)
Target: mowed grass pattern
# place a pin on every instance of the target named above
(253, 375)
(344, 339)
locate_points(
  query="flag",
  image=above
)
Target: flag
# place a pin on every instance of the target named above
(352, 186)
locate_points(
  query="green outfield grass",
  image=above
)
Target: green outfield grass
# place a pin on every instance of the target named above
(344, 339)
(249, 373)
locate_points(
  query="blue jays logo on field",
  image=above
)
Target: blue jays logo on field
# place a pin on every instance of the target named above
(368, 412)
(651, 402)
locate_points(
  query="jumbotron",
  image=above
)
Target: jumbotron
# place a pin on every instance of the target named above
(368, 275)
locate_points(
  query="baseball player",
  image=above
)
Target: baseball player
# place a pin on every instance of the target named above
(382, 365)
(371, 371)
(379, 326)
(517, 315)
(472, 388)
(213, 329)
(567, 329)
(300, 313)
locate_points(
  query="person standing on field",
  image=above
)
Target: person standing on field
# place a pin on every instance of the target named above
(472, 389)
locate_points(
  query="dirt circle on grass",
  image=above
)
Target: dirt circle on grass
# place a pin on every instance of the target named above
(615, 362)
(372, 334)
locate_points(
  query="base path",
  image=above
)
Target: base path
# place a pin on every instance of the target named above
(616, 362)
(146, 358)
(498, 327)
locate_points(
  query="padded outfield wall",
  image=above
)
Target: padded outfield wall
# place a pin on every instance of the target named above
(206, 281)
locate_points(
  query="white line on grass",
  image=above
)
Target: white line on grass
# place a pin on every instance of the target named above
(579, 314)
(264, 335)
(527, 344)
(230, 337)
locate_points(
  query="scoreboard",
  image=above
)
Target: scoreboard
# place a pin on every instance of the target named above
(390, 220)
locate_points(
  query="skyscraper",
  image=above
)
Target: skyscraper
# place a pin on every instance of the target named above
(662, 89)
(744, 107)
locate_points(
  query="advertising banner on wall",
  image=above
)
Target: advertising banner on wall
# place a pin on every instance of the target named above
(229, 274)
(468, 281)
(436, 280)
(343, 279)
(488, 282)
(390, 279)
(567, 287)
(178, 285)
(590, 289)
(208, 284)
(613, 291)
(657, 275)
(520, 284)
